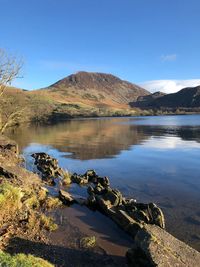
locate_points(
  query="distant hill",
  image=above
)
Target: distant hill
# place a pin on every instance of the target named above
(96, 89)
(147, 100)
(87, 94)
(186, 98)
(83, 94)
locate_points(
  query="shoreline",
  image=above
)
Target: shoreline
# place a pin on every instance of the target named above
(147, 232)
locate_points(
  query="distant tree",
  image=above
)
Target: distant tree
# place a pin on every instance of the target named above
(10, 67)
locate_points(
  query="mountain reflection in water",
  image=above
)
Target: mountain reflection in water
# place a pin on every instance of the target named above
(154, 159)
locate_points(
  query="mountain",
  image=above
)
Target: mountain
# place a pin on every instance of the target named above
(87, 94)
(83, 94)
(96, 89)
(147, 100)
(186, 98)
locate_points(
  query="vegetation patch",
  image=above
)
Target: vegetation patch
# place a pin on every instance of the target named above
(88, 242)
(48, 223)
(10, 202)
(52, 202)
(66, 180)
(22, 212)
(22, 260)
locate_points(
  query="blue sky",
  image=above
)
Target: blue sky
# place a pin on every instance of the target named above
(155, 43)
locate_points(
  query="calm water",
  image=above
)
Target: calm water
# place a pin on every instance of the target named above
(150, 158)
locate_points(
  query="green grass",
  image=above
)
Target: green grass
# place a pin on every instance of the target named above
(22, 260)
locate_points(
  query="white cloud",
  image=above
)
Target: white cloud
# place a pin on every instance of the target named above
(169, 86)
(170, 142)
(171, 57)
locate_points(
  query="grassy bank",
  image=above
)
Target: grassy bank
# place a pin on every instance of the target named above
(23, 207)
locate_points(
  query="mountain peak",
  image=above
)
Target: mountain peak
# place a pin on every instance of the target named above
(89, 78)
(98, 87)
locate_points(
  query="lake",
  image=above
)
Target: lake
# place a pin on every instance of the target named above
(153, 159)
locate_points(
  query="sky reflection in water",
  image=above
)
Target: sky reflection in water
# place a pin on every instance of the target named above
(150, 158)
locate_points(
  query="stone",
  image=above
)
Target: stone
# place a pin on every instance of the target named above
(90, 190)
(79, 179)
(103, 181)
(114, 196)
(90, 174)
(129, 202)
(48, 166)
(157, 215)
(99, 189)
(126, 222)
(140, 216)
(65, 197)
(153, 246)
(103, 204)
(145, 213)
(106, 181)
(91, 201)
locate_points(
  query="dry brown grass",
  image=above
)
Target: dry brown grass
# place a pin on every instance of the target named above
(10, 202)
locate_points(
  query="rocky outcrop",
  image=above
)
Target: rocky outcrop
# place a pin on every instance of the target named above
(154, 246)
(123, 211)
(48, 167)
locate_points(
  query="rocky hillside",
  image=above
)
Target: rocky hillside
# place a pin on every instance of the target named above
(188, 98)
(147, 100)
(96, 89)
